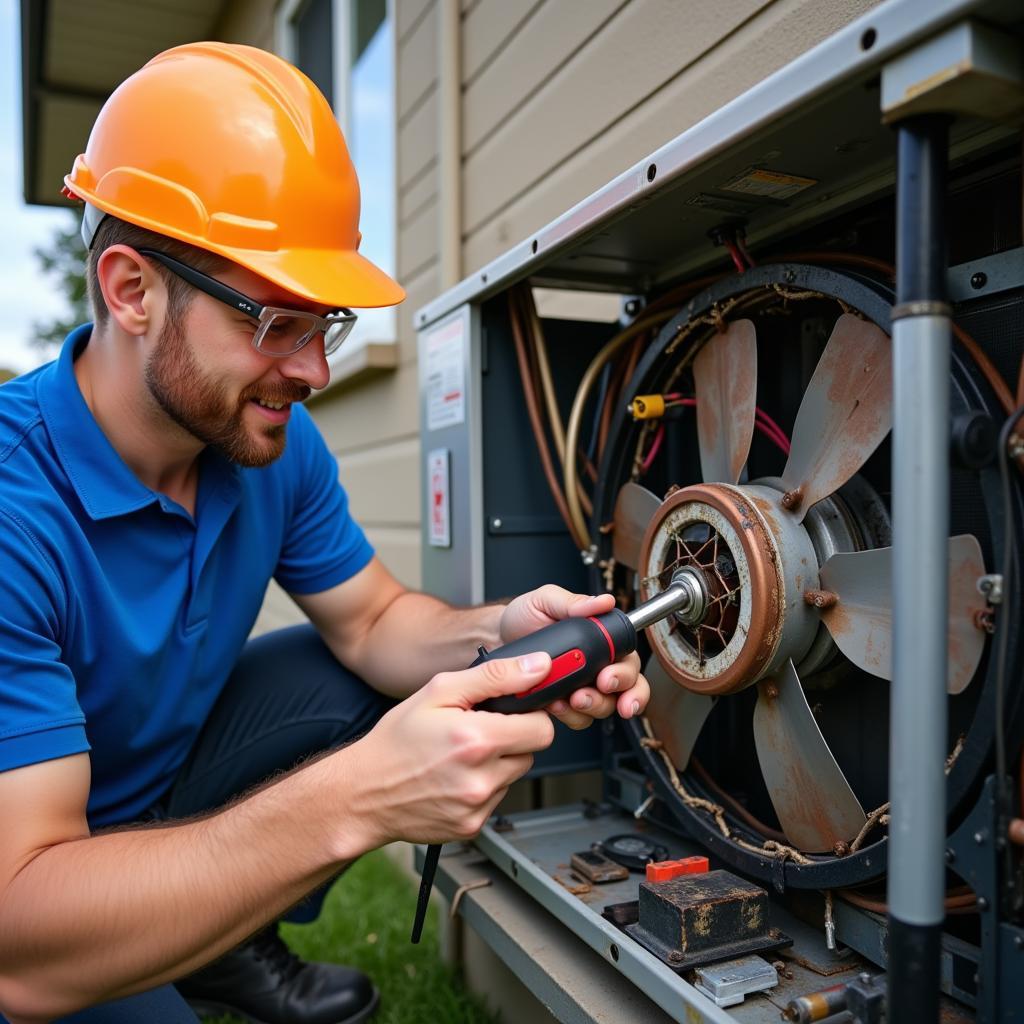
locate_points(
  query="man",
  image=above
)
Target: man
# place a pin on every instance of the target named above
(152, 480)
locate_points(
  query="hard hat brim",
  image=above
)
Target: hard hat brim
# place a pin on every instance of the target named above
(329, 277)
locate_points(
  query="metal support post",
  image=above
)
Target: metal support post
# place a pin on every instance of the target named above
(920, 489)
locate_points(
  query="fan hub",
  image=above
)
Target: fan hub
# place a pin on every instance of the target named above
(756, 563)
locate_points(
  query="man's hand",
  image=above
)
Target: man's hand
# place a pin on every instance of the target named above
(620, 685)
(433, 769)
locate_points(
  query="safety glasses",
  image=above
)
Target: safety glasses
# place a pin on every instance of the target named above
(279, 332)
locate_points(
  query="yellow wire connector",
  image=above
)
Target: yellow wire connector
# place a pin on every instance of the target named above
(647, 407)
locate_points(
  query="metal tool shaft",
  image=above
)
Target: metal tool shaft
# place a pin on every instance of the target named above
(685, 596)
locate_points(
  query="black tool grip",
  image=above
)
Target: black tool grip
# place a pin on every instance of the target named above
(579, 649)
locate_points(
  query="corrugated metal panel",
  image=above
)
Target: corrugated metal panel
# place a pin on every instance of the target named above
(774, 37)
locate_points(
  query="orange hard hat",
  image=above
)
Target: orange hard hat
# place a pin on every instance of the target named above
(233, 150)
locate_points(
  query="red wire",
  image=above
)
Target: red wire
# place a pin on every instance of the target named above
(737, 259)
(655, 447)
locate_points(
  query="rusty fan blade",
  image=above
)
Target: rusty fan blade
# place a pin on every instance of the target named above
(845, 413)
(861, 620)
(676, 714)
(725, 376)
(634, 509)
(813, 801)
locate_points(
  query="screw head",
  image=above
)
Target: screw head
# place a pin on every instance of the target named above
(982, 903)
(495, 524)
(979, 280)
(675, 956)
(950, 856)
(1018, 941)
(771, 691)
(979, 838)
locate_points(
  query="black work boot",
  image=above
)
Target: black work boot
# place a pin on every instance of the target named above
(266, 983)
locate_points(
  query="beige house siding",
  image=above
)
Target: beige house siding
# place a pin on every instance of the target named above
(557, 98)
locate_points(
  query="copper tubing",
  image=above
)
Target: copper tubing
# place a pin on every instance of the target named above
(538, 349)
(572, 434)
(734, 805)
(959, 903)
(1016, 831)
(535, 423)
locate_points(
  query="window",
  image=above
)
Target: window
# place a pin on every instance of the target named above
(346, 47)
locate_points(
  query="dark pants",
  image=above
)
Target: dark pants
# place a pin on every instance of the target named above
(287, 698)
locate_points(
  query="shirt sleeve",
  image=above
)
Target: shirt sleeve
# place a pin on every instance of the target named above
(323, 545)
(40, 717)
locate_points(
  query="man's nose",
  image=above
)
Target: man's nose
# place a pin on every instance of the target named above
(308, 365)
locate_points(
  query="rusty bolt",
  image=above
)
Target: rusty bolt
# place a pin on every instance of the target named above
(984, 621)
(841, 849)
(675, 956)
(792, 499)
(820, 598)
(771, 691)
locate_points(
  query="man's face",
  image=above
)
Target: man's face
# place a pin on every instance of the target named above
(206, 376)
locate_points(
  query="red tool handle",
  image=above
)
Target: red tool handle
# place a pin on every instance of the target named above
(579, 649)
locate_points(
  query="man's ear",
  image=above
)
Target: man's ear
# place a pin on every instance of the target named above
(129, 285)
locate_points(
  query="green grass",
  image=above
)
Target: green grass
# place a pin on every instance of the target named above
(365, 923)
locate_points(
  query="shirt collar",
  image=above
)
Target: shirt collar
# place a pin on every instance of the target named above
(103, 481)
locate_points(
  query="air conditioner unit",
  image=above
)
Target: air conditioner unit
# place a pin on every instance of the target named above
(808, 398)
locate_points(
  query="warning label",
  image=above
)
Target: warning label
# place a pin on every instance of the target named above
(758, 181)
(438, 476)
(446, 375)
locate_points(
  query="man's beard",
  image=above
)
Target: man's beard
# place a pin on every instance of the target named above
(202, 406)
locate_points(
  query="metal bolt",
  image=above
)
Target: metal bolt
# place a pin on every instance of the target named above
(980, 837)
(675, 956)
(495, 524)
(979, 280)
(771, 691)
(820, 598)
(841, 849)
(792, 499)
(950, 856)
(982, 903)
(1018, 941)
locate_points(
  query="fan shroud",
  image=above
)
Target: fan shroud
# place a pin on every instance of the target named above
(821, 669)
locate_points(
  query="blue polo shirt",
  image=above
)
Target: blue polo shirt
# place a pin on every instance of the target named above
(121, 615)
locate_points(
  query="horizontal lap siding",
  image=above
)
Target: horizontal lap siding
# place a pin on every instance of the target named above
(551, 177)
(647, 43)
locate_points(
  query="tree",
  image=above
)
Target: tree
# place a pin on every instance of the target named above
(63, 261)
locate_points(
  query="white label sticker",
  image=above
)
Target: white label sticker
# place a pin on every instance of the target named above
(759, 181)
(440, 532)
(446, 375)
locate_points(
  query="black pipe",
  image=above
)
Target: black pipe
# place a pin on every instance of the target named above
(921, 258)
(914, 945)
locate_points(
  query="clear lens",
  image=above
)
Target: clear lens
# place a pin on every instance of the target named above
(283, 332)
(280, 334)
(338, 331)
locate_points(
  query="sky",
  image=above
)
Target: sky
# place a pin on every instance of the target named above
(26, 295)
